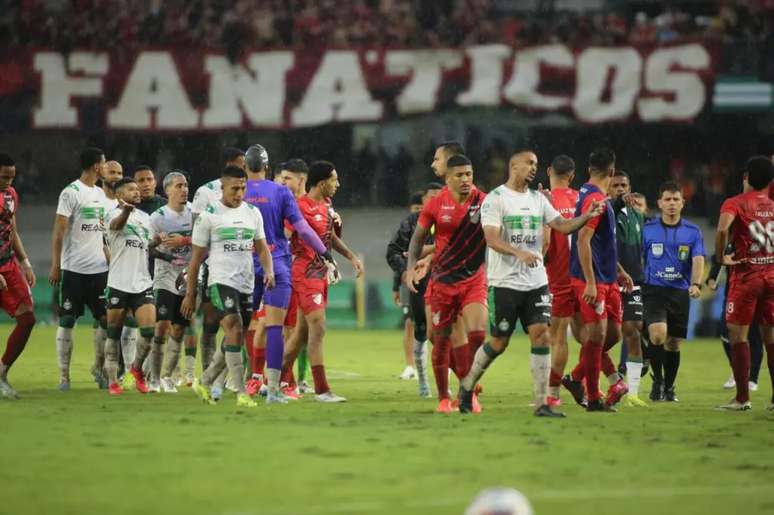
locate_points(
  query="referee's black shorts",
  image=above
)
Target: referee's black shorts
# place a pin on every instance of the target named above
(671, 305)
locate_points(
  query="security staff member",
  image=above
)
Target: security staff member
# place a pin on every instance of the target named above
(673, 257)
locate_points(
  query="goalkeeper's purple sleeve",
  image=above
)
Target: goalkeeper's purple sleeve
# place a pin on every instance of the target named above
(307, 234)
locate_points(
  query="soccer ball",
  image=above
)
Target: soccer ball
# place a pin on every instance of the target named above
(500, 501)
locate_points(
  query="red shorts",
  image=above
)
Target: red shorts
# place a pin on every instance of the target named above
(564, 303)
(448, 300)
(310, 294)
(751, 297)
(608, 305)
(290, 317)
(17, 291)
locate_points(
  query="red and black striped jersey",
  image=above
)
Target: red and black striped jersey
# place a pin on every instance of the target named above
(460, 246)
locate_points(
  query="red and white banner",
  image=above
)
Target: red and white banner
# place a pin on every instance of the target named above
(189, 90)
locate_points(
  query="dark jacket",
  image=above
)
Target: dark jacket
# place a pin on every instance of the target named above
(398, 248)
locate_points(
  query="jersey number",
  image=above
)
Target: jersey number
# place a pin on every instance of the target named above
(764, 236)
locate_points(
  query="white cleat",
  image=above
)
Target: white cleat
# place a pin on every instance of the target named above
(730, 384)
(304, 387)
(7, 391)
(408, 373)
(734, 405)
(753, 386)
(263, 391)
(64, 383)
(154, 387)
(424, 391)
(276, 398)
(168, 385)
(230, 386)
(329, 397)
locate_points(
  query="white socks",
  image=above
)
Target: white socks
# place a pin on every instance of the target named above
(540, 366)
(64, 349)
(129, 337)
(633, 372)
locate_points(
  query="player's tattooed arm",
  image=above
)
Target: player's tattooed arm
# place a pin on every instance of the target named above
(341, 247)
(571, 225)
(118, 223)
(21, 255)
(414, 254)
(188, 306)
(495, 241)
(60, 227)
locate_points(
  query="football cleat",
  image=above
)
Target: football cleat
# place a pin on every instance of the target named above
(576, 389)
(553, 402)
(244, 401)
(276, 398)
(203, 393)
(476, 405)
(633, 401)
(546, 411)
(167, 385)
(464, 401)
(753, 386)
(231, 385)
(656, 390)
(408, 374)
(189, 378)
(444, 406)
(598, 405)
(154, 387)
(99, 378)
(7, 391)
(252, 386)
(615, 392)
(304, 387)
(64, 384)
(216, 392)
(424, 390)
(669, 395)
(115, 389)
(730, 384)
(139, 380)
(329, 397)
(127, 381)
(735, 405)
(290, 392)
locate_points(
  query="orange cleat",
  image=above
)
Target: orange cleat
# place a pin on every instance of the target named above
(553, 402)
(139, 380)
(476, 405)
(115, 389)
(445, 406)
(291, 393)
(253, 386)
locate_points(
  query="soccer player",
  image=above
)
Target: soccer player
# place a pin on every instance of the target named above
(595, 274)
(146, 180)
(129, 284)
(749, 221)
(16, 276)
(173, 223)
(78, 258)
(278, 207)
(458, 276)
(310, 274)
(629, 224)
(564, 304)
(397, 251)
(513, 217)
(211, 192)
(230, 230)
(673, 257)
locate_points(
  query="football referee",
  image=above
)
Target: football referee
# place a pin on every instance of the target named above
(673, 257)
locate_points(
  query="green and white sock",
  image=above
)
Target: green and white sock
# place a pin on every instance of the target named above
(156, 357)
(208, 349)
(633, 371)
(64, 349)
(172, 357)
(420, 361)
(484, 357)
(129, 338)
(235, 366)
(143, 349)
(100, 335)
(111, 360)
(540, 367)
(217, 365)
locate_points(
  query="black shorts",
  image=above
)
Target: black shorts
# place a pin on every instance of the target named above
(507, 305)
(632, 305)
(117, 299)
(168, 307)
(670, 305)
(76, 291)
(229, 301)
(417, 311)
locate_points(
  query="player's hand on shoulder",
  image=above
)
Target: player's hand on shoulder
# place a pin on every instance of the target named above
(596, 208)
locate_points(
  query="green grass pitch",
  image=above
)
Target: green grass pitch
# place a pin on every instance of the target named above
(383, 452)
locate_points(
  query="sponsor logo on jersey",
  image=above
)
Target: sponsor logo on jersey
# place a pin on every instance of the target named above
(67, 305)
(229, 302)
(657, 249)
(317, 298)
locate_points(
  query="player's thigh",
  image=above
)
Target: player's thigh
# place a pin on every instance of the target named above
(503, 311)
(535, 308)
(95, 294)
(72, 294)
(767, 334)
(738, 333)
(558, 329)
(678, 313)
(445, 307)
(475, 316)
(743, 301)
(316, 322)
(144, 308)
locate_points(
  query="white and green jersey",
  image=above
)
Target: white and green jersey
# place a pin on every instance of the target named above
(520, 217)
(82, 248)
(207, 194)
(229, 233)
(167, 220)
(129, 252)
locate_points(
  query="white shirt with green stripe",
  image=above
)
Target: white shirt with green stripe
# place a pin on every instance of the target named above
(129, 252)
(229, 234)
(520, 217)
(167, 220)
(82, 247)
(207, 194)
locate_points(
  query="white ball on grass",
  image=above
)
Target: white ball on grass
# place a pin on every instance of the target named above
(500, 501)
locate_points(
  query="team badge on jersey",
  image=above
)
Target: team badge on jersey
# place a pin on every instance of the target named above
(317, 298)
(503, 325)
(657, 249)
(683, 253)
(229, 302)
(475, 213)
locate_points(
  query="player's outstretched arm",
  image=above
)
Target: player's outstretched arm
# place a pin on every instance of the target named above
(57, 237)
(495, 241)
(21, 255)
(305, 231)
(571, 225)
(118, 223)
(341, 247)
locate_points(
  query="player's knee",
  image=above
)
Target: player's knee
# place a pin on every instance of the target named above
(113, 332)
(211, 329)
(159, 340)
(420, 332)
(177, 332)
(102, 322)
(147, 332)
(67, 321)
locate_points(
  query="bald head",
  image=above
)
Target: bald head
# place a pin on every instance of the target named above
(112, 172)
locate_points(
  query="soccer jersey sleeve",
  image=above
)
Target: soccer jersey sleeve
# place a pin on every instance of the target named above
(68, 200)
(730, 206)
(260, 234)
(697, 247)
(549, 211)
(491, 211)
(594, 222)
(201, 231)
(290, 211)
(428, 215)
(200, 201)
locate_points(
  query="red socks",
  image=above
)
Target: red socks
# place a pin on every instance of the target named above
(287, 375)
(608, 367)
(462, 361)
(740, 363)
(440, 359)
(320, 381)
(592, 364)
(554, 378)
(17, 340)
(475, 340)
